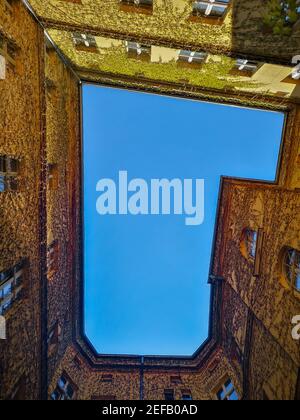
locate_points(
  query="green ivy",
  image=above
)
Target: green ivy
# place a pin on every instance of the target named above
(282, 16)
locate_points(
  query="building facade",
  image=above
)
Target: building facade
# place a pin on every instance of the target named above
(224, 51)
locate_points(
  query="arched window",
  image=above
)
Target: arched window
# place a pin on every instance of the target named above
(249, 243)
(291, 267)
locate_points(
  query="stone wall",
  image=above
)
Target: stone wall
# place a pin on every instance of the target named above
(21, 127)
(63, 143)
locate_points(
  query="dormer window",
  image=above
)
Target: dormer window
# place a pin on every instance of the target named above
(246, 66)
(85, 42)
(210, 8)
(136, 50)
(192, 57)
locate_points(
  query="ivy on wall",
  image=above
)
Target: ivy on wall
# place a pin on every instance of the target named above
(282, 16)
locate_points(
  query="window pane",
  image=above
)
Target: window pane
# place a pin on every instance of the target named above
(2, 183)
(13, 165)
(200, 8)
(221, 395)
(218, 11)
(2, 164)
(62, 382)
(297, 285)
(233, 396)
(228, 386)
(70, 391)
(7, 289)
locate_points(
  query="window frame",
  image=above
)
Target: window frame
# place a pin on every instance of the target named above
(244, 67)
(189, 58)
(52, 259)
(62, 391)
(169, 392)
(292, 283)
(85, 42)
(248, 243)
(136, 6)
(186, 395)
(210, 5)
(52, 169)
(11, 286)
(223, 387)
(8, 174)
(138, 51)
(6, 48)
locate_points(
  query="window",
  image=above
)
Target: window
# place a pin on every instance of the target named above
(211, 8)
(85, 42)
(65, 389)
(53, 337)
(107, 378)
(139, 5)
(52, 258)
(52, 177)
(9, 169)
(11, 286)
(249, 243)
(246, 66)
(8, 50)
(169, 395)
(136, 50)
(227, 392)
(176, 380)
(192, 57)
(186, 395)
(291, 267)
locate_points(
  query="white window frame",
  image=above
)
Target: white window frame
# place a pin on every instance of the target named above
(191, 57)
(137, 47)
(84, 40)
(246, 65)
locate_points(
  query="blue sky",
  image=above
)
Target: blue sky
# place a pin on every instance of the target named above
(146, 289)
